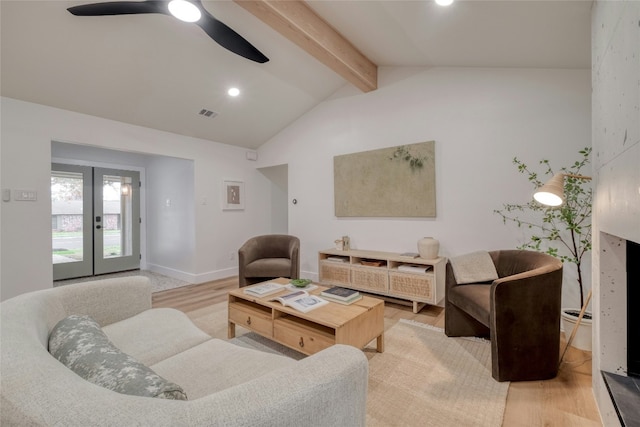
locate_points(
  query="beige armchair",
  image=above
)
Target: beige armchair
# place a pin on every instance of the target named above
(519, 311)
(267, 257)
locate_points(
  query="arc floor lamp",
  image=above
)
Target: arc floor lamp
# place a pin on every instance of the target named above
(552, 194)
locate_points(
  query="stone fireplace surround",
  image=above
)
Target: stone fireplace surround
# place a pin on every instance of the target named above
(615, 31)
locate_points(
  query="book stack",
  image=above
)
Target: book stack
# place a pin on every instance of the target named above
(264, 289)
(410, 254)
(412, 268)
(341, 295)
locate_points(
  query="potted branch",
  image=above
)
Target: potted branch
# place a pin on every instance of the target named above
(563, 232)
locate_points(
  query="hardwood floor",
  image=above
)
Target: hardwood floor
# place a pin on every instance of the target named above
(566, 400)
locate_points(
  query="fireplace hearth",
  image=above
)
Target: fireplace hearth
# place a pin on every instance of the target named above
(625, 389)
(625, 394)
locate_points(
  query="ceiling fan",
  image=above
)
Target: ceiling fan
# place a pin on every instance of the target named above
(189, 11)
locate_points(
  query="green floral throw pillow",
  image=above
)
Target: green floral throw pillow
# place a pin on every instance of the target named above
(81, 345)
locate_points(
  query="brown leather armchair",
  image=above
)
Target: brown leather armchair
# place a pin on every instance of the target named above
(267, 257)
(520, 312)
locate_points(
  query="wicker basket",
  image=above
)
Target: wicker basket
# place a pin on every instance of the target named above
(375, 279)
(333, 274)
(418, 287)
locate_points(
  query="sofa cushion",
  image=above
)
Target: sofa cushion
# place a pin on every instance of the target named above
(81, 345)
(217, 365)
(473, 299)
(155, 334)
(268, 267)
(474, 267)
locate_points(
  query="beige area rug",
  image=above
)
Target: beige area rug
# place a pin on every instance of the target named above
(159, 282)
(423, 378)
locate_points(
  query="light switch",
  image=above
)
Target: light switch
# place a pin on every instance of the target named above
(6, 195)
(25, 195)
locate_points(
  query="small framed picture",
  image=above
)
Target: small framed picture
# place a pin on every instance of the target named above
(232, 195)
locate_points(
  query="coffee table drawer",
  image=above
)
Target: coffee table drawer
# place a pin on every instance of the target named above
(254, 320)
(305, 340)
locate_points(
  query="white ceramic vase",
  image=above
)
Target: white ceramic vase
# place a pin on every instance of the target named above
(428, 248)
(582, 339)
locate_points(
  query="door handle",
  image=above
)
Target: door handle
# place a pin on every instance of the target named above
(98, 227)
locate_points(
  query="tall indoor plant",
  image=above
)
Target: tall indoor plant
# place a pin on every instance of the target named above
(564, 231)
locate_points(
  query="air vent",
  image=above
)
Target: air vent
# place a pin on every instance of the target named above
(208, 113)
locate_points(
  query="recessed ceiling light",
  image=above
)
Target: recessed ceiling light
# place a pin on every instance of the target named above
(444, 2)
(234, 91)
(184, 10)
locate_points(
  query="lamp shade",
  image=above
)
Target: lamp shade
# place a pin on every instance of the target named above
(552, 193)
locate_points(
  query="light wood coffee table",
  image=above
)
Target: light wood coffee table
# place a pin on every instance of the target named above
(356, 324)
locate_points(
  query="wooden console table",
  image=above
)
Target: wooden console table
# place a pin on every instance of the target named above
(356, 324)
(378, 273)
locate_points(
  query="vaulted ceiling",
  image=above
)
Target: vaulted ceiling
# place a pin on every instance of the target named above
(155, 71)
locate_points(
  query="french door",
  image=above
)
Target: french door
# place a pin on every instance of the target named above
(95, 221)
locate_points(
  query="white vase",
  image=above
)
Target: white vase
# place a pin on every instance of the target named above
(582, 339)
(428, 248)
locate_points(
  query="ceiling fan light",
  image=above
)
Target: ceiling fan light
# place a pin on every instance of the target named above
(184, 10)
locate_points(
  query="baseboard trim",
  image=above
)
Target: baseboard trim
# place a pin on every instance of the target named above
(192, 277)
(309, 275)
(216, 275)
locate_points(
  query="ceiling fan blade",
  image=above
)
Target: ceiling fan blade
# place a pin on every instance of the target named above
(120, 8)
(229, 39)
(218, 31)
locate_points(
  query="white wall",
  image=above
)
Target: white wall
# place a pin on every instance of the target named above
(279, 178)
(480, 119)
(170, 225)
(616, 146)
(26, 135)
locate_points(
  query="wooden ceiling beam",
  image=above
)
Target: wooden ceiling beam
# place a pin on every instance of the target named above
(295, 20)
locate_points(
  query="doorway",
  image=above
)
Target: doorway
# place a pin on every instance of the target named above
(279, 178)
(95, 221)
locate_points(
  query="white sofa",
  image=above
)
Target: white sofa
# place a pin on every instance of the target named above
(227, 385)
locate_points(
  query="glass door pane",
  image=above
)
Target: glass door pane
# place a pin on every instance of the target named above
(71, 234)
(66, 216)
(116, 220)
(116, 199)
